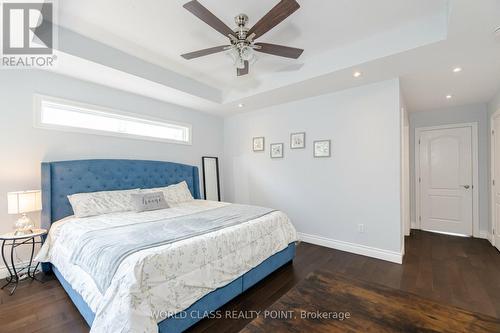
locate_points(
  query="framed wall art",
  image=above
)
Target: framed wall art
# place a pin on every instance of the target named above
(258, 143)
(277, 150)
(298, 140)
(322, 148)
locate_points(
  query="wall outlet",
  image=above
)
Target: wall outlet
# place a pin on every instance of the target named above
(361, 228)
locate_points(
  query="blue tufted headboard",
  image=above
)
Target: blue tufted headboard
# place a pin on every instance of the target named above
(60, 179)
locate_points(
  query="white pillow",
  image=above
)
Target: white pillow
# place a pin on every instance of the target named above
(149, 201)
(174, 194)
(105, 202)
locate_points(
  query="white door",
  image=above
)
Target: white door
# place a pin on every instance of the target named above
(446, 180)
(496, 179)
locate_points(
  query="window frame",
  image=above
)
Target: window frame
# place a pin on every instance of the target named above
(38, 99)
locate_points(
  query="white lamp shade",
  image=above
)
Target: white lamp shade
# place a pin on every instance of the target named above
(24, 202)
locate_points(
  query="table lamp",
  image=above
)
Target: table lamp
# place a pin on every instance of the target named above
(22, 203)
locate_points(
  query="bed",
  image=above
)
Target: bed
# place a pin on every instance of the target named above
(210, 269)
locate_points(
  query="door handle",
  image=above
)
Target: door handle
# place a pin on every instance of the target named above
(466, 186)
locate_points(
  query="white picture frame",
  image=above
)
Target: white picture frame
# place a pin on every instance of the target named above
(298, 140)
(322, 148)
(276, 150)
(258, 143)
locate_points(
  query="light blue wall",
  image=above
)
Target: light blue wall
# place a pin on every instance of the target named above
(463, 114)
(326, 198)
(23, 147)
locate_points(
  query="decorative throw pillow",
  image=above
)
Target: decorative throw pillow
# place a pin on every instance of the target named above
(174, 194)
(105, 202)
(149, 201)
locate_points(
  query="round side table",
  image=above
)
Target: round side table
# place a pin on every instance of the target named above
(13, 240)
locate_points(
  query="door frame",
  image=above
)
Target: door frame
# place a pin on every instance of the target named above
(492, 236)
(475, 172)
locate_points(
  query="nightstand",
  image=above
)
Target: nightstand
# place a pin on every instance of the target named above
(12, 240)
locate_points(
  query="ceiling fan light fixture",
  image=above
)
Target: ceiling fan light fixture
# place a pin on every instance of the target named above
(241, 46)
(233, 54)
(246, 53)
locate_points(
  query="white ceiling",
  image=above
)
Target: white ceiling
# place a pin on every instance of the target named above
(419, 41)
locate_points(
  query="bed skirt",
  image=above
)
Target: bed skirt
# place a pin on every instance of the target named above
(208, 303)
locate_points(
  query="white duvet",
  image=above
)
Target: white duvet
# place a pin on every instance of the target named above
(169, 278)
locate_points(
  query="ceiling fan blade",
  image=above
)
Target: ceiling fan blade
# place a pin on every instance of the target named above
(274, 17)
(204, 52)
(206, 16)
(243, 71)
(279, 50)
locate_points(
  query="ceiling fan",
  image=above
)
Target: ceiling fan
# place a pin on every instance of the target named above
(242, 40)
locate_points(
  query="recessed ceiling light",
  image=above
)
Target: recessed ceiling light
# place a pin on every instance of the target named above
(356, 74)
(457, 69)
(448, 96)
(241, 105)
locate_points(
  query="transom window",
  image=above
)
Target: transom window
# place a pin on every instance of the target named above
(59, 114)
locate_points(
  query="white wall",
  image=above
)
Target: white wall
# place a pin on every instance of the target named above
(23, 147)
(326, 198)
(493, 106)
(405, 170)
(454, 115)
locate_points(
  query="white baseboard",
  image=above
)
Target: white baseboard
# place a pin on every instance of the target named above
(364, 250)
(485, 235)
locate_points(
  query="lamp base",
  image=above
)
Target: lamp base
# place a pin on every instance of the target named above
(23, 232)
(24, 226)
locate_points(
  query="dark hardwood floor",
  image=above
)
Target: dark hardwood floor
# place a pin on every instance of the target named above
(462, 272)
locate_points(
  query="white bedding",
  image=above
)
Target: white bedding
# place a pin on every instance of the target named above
(169, 278)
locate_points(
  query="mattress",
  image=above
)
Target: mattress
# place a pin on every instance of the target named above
(153, 284)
